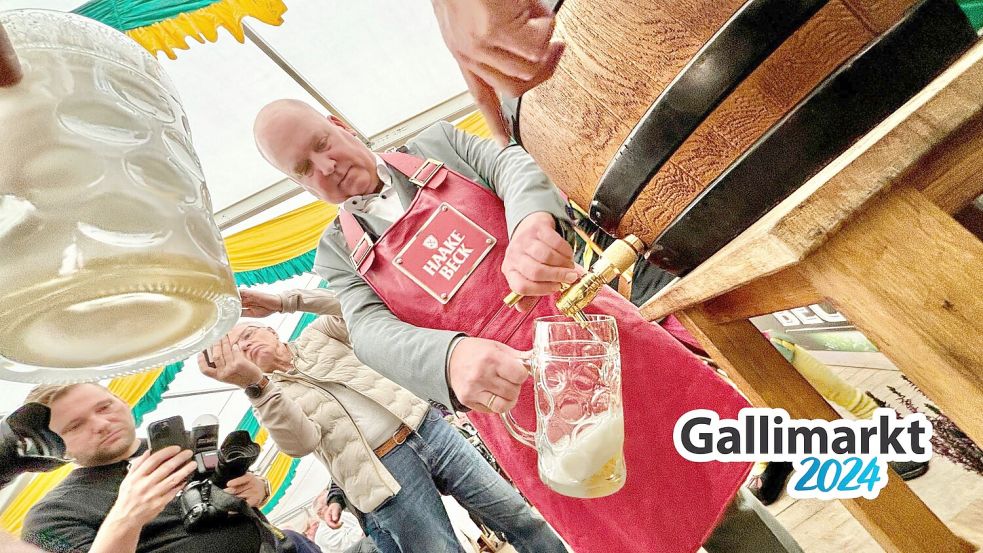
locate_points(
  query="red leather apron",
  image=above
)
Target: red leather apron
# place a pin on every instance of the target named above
(439, 266)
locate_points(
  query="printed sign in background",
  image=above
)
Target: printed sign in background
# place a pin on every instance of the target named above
(817, 327)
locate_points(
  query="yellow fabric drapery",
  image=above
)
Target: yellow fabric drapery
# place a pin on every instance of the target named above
(475, 124)
(130, 389)
(261, 436)
(279, 239)
(203, 24)
(278, 470)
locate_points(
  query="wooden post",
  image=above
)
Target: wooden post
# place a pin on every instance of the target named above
(911, 278)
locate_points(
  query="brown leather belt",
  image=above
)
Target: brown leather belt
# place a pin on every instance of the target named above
(399, 436)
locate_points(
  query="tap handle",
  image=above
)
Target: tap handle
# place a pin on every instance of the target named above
(512, 299)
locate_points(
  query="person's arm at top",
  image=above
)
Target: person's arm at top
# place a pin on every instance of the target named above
(502, 45)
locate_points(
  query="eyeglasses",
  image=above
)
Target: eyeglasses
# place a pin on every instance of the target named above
(250, 330)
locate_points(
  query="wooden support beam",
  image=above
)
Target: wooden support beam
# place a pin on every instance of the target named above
(911, 279)
(783, 290)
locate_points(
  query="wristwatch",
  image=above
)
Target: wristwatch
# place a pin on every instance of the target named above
(269, 491)
(253, 391)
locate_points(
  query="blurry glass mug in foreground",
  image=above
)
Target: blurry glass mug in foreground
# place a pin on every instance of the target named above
(110, 261)
(580, 430)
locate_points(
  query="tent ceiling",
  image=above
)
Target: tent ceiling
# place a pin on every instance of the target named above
(379, 62)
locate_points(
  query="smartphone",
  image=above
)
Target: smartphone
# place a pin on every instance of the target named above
(167, 432)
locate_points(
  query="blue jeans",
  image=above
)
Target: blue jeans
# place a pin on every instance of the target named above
(383, 541)
(437, 460)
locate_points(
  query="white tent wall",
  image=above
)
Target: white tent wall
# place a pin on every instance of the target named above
(377, 61)
(381, 63)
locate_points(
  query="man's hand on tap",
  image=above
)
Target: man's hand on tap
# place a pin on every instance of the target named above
(538, 260)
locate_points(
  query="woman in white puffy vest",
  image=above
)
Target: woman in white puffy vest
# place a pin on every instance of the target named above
(390, 452)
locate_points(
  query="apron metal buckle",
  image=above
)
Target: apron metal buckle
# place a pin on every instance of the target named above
(421, 182)
(359, 254)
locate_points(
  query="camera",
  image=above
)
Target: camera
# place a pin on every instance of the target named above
(27, 444)
(204, 504)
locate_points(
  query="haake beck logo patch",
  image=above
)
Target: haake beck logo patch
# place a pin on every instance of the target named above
(449, 257)
(444, 251)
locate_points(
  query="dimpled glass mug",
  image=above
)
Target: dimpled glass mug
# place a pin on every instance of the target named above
(110, 260)
(580, 430)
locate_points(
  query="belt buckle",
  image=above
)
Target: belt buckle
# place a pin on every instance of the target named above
(415, 179)
(396, 439)
(358, 247)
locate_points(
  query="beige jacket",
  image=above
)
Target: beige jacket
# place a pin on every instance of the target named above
(302, 418)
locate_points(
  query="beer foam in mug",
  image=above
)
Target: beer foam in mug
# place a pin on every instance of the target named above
(590, 450)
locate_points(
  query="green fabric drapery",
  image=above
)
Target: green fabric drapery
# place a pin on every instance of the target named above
(132, 14)
(281, 271)
(974, 11)
(249, 423)
(154, 395)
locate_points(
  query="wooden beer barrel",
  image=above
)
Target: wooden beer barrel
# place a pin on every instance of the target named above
(706, 113)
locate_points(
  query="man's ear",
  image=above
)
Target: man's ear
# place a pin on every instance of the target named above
(341, 124)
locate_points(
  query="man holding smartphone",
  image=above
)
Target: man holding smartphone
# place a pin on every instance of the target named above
(122, 498)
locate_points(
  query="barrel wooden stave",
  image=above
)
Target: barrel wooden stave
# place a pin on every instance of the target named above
(575, 123)
(605, 82)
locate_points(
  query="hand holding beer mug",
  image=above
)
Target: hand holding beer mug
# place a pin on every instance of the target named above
(110, 261)
(580, 430)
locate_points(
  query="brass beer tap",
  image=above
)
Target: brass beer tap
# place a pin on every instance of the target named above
(613, 261)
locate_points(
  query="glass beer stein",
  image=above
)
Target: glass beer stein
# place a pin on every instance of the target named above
(110, 260)
(580, 430)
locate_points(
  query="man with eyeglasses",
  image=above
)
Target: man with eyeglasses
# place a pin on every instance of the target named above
(391, 453)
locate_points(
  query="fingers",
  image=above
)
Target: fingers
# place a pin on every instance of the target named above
(500, 81)
(236, 353)
(513, 372)
(533, 279)
(176, 479)
(226, 346)
(487, 101)
(530, 41)
(175, 464)
(550, 253)
(135, 464)
(538, 259)
(204, 367)
(553, 240)
(508, 64)
(514, 74)
(480, 368)
(150, 461)
(244, 480)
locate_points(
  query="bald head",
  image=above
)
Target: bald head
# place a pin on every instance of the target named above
(278, 113)
(319, 153)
